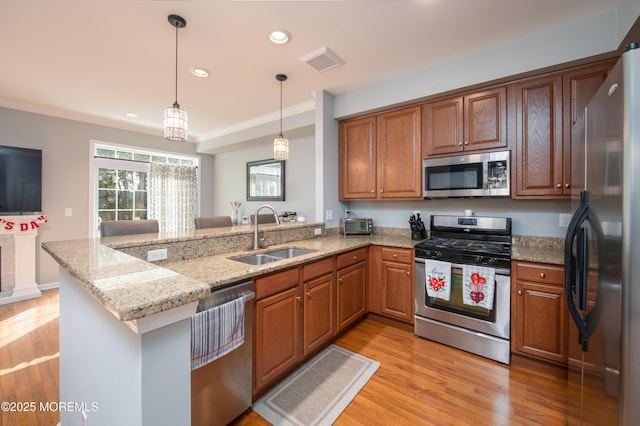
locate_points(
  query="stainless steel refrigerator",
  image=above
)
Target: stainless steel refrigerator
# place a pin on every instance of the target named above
(602, 253)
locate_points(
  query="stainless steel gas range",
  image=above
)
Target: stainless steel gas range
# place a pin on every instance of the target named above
(462, 284)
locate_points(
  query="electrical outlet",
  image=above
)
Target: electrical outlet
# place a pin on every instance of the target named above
(564, 221)
(329, 215)
(155, 255)
(317, 231)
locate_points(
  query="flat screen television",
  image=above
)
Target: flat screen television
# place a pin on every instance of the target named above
(20, 181)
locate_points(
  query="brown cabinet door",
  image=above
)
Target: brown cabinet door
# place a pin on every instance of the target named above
(397, 291)
(444, 126)
(540, 321)
(578, 85)
(399, 168)
(319, 325)
(277, 335)
(350, 295)
(485, 119)
(538, 120)
(357, 159)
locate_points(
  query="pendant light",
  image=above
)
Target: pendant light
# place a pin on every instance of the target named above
(281, 144)
(175, 119)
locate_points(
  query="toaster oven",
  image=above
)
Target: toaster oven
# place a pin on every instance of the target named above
(356, 226)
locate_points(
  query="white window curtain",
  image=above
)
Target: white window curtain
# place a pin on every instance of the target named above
(173, 196)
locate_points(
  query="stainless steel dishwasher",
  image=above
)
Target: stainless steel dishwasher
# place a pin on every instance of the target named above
(221, 390)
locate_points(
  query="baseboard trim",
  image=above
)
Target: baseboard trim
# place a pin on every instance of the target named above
(49, 286)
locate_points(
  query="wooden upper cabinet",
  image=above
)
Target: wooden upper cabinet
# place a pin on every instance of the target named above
(399, 158)
(579, 85)
(357, 172)
(539, 151)
(473, 121)
(545, 109)
(379, 156)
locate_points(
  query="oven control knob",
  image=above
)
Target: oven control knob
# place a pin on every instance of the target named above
(427, 253)
(492, 261)
(479, 259)
(437, 254)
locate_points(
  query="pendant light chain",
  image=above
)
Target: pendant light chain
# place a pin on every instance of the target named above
(281, 144)
(176, 119)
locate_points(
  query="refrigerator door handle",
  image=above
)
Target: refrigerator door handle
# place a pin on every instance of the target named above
(572, 281)
(582, 248)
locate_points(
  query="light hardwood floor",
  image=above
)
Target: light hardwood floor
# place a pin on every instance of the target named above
(419, 382)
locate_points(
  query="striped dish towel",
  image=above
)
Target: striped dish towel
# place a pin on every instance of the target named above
(216, 331)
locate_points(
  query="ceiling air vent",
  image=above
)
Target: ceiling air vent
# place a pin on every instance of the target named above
(322, 59)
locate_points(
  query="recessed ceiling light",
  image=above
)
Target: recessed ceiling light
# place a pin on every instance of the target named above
(279, 36)
(199, 72)
(132, 114)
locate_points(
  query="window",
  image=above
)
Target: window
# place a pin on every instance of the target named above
(125, 188)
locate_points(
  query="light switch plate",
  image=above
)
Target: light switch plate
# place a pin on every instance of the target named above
(329, 215)
(564, 221)
(317, 231)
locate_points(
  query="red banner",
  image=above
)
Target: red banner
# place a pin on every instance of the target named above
(21, 226)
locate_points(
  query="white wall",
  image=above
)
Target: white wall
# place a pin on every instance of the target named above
(65, 166)
(230, 183)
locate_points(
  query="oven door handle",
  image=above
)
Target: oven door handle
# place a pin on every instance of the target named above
(499, 271)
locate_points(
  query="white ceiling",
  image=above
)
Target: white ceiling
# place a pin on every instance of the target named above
(94, 60)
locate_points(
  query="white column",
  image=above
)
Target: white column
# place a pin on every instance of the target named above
(24, 230)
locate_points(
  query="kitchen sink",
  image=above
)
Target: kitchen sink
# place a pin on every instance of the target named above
(286, 253)
(256, 259)
(271, 256)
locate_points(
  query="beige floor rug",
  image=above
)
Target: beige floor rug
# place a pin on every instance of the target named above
(319, 391)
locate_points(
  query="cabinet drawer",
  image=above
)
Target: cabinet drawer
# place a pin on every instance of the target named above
(396, 255)
(273, 284)
(317, 269)
(351, 258)
(541, 273)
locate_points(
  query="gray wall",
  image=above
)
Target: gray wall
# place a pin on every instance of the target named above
(66, 152)
(229, 181)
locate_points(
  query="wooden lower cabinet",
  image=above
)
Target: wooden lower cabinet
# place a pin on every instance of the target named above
(277, 335)
(539, 317)
(319, 306)
(391, 289)
(351, 287)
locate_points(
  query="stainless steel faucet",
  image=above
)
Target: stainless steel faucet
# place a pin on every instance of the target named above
(256, 240)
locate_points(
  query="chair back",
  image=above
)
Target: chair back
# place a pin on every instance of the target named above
(212, 222)
(112, 228)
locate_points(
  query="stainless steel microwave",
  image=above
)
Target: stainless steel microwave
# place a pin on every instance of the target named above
(474, 175)
(356, 226)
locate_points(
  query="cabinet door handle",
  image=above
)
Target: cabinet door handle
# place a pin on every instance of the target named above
(395, 256)
(382, 190)
(408, 273)
(519, 292)
(460, 143)
(299, 299)
(542, 275)
(355, 258)
(373, 190)
(466, 142)
(339, 280)
(567, 185)
(309, 294)
(558, 185)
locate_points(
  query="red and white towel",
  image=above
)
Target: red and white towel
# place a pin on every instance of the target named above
(216, 331)
(478, 286)
(438, 281)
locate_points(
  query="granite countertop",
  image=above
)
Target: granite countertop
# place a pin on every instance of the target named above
(131, 288)
(538, 249)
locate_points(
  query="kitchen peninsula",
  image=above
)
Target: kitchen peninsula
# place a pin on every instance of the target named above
(125, 322)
